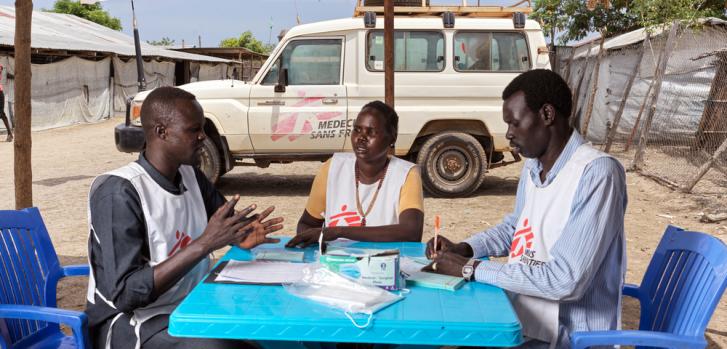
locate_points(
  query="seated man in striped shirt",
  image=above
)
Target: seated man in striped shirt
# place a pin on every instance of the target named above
(565, 239)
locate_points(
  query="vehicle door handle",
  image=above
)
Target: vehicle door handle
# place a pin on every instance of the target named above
(330, 100)
(271, 103)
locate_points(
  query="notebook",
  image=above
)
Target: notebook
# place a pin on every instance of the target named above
(411, 267)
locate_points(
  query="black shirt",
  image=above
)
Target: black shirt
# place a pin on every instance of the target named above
(120, 259)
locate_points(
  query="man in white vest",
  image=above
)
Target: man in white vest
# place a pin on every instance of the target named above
(152, 226)
(565, 239)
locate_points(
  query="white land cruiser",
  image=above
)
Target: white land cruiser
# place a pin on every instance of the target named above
(448, 86)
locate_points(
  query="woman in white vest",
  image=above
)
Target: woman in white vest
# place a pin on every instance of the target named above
(367, 195)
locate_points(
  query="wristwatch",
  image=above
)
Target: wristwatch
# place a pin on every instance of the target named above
(468, 270)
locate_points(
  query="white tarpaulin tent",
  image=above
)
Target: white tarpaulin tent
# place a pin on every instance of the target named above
(70, 89)
(685, 86)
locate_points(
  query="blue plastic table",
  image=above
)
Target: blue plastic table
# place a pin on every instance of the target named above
(475, 315)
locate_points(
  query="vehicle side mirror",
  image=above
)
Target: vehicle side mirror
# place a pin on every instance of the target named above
(282, 80)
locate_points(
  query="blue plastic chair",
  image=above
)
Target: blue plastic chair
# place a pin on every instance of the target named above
(680, 290)
(29, 274)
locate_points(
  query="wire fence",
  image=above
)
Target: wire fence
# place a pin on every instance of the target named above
(657, 102)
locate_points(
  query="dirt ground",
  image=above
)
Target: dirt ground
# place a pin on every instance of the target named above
(66, 160)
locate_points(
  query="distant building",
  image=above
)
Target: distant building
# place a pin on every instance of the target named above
(246, 65)
(84, 72)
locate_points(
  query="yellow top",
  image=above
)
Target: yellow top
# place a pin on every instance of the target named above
(411, 195)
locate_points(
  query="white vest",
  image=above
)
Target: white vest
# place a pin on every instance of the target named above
(341, 193)
(172, 223)
(539, 226)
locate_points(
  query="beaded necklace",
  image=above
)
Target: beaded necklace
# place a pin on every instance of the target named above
(376, 193)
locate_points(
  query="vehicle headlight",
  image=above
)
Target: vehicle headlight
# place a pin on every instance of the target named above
(136, 113)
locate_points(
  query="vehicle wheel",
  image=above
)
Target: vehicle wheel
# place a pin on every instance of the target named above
(210, 161)
(453, 164)
(396, 3)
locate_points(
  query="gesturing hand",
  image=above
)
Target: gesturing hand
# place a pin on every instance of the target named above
(226, 226)
(257, 230)
(310, 236)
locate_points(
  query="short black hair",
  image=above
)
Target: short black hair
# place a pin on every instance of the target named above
(542, 86)
(387, 113)
(161, 104)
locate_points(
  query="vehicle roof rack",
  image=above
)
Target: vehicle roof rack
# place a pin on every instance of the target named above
(436, 11)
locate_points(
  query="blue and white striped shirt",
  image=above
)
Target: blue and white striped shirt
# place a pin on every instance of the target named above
(585, 274)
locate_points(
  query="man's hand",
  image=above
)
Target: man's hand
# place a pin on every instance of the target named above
(446, 245)
(226, 226)
(447, 263)
(310, 236)
(256, 231)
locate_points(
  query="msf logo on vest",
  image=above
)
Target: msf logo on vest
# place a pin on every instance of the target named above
(345, 218)
(522, 243)
(183, 240)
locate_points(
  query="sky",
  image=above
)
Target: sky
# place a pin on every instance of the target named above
(215, 20)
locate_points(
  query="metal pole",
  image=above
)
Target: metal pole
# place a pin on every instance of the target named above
(389, 52)
(137, 47)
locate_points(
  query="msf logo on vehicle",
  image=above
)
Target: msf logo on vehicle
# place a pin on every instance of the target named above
(297, 124)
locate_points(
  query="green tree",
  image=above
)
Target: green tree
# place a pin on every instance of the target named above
(165, 41)
(550, 14)
(94, 13)
(657, 12)
(248, 41)
(576, 21)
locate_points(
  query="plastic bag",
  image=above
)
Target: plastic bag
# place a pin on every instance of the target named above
(324, 286)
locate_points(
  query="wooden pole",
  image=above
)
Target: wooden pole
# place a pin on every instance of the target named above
(580, 82)
(670, 42)
(23, 143)
(638, 117)
(713, 124)
(622, 106)
(705, 167)
(594, 87)
(646, 99)
(568, 68)
(389, 52)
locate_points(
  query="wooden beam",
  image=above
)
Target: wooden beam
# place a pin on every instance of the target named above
(576, 94)
(389, 52)
(23, 170)
(625, 97)
(570, 63)
(594, 88)
(705, 167)
(670, 42)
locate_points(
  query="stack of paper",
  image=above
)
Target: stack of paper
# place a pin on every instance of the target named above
(411, 267)
(261, 272)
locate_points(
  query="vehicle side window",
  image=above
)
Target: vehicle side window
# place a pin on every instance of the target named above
(309, 62)
(490, 51)
(414, 51)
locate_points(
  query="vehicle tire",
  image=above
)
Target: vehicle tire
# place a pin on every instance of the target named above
(210, 161)
(453, 164)
(412, 3)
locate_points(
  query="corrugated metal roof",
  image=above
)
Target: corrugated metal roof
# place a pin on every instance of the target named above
(57, 31)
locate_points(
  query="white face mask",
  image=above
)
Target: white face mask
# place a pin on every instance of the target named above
(322, 285)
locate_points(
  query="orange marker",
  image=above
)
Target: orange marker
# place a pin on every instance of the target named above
(437, 225)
